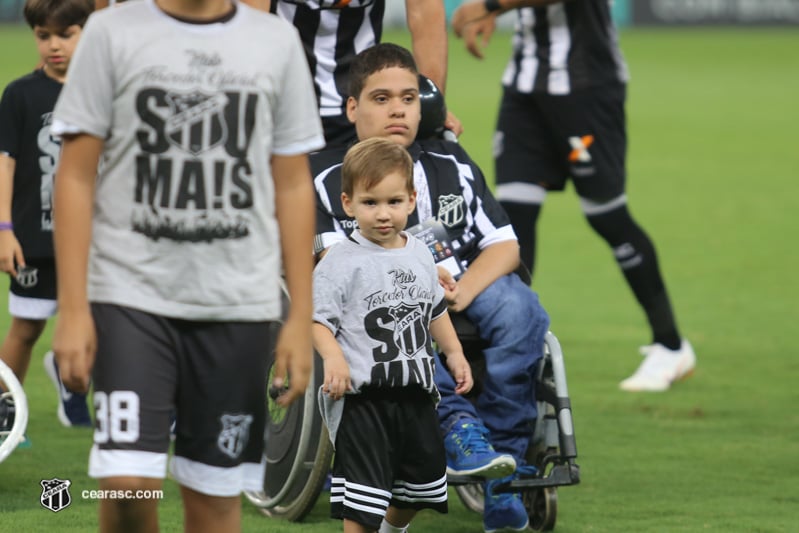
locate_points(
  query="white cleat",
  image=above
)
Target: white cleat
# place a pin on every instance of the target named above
(661, 368)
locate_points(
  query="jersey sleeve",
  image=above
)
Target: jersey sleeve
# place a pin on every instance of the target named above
(298, 128)
(86, 101)
(11, 120)
(328, 296)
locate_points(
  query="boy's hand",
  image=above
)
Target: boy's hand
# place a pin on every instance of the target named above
(337, 377)
(293, 357)
(75, 346)
(10, 253)
(461, 372)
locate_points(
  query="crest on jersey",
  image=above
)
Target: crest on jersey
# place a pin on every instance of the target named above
(450, 209)
(234, 435)
(197, 121)
(410, 333)
(55, 494)
(27, 277)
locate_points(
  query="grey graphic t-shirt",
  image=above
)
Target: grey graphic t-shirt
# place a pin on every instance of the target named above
(184, 218)
(379, 303)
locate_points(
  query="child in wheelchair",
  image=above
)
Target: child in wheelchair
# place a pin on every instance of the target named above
(489, 437)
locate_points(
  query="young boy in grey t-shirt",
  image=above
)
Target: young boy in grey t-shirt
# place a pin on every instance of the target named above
(377, 302)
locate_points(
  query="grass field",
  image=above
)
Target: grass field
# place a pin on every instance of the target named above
(713, 178)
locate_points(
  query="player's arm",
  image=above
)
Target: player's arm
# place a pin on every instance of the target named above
(337, 371)
(427, 23)
(494, 261)
(443, 332)
(294, 205)
(10, 250)
(74, 339)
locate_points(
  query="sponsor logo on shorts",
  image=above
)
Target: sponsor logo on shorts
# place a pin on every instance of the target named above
(234, 435)
(580, 146)
(55, 494)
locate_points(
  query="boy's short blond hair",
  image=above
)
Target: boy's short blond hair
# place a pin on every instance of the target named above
(369, 161)
(58, 13)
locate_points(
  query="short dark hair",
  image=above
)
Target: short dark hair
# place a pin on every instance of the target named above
(59, 13)
(369, 161)
(374, 59)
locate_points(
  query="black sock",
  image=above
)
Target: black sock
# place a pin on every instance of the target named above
(523, 218)
(637, 259)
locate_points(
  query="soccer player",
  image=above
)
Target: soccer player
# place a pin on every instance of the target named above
(490, 438)
(334, 32)
(377, 303)
(28, 158)
(562, 117)
(169, 261)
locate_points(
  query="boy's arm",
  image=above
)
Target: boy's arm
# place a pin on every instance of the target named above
(337, 371)
(493, 262)
(294, 205)
(443, 333)
(74, 339)
(10, 251)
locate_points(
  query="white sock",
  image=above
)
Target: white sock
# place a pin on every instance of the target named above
(385, 527)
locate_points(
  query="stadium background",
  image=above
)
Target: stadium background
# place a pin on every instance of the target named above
(713, 176)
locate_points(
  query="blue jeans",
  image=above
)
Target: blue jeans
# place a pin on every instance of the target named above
(510, 318)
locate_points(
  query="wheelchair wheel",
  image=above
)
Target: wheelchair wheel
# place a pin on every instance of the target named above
(472, 496)
(542, 508)
(13, 405)
(297, 452)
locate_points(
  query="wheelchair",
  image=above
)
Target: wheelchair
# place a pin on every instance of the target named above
(298, 452)
(13, 409)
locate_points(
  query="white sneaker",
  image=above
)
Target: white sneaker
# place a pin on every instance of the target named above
(661, 368)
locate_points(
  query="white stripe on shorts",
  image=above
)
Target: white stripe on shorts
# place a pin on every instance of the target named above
(217, 480)
(435, 491)
(31, 308)
(522, 193)
(110, 463)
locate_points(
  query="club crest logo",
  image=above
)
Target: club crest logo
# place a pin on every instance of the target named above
(450, 210)
(27, 276)
(410, 333)
(197, 121)
(55, 494)
(234, 435)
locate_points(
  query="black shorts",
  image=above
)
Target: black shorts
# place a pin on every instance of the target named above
(546, 139)
(389, 450)
(33, 290)
(212, 375)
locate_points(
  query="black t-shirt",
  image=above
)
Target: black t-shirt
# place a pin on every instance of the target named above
(26, 111)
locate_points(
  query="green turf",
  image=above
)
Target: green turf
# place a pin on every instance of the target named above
(712, 177)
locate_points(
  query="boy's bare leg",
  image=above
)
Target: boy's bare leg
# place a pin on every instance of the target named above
(210, 513)
(129, 515)
(354, 527)
(18, 344)
(399, 518)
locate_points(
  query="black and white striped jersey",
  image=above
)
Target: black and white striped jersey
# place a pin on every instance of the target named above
(332, 36)
(449, 188)
(564, 47)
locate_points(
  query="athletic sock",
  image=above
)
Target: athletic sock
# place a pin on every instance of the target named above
(637, 259)
(523, 218)
(385, 527)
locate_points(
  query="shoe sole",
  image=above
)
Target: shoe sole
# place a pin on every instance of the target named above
(680, 377)
(507, 529)
(49, 367)
(499, 467)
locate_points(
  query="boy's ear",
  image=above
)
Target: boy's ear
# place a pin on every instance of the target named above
(352, 105)
(412, 203)
(346, 203)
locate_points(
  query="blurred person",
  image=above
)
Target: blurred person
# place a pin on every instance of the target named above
(169, 261)
(28, 159)
(562, 117)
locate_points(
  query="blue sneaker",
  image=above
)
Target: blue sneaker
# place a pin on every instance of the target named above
(505, 511)
(72, 408)
(470, 454)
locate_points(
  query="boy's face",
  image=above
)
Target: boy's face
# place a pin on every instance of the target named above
(387, 107)
(382, 211)
(56, 46)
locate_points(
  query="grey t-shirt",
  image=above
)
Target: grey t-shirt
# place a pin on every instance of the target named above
(379, 303)
(184, 214)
